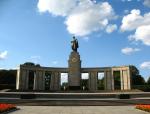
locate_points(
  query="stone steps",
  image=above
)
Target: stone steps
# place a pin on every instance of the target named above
(73, 95)
(74, 99)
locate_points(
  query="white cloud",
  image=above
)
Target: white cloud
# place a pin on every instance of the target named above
(85, 20)
(82, 16)
(146, 3)
(141, 25)
(3, 55)
(134, 19)
(56, 7)
(129, 50)
(145, 65)
(110, 28)
(142, 34)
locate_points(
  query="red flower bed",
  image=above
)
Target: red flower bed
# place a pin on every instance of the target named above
(145, 107)
(6, 107)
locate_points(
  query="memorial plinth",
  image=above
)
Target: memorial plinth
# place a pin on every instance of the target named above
(74, 74)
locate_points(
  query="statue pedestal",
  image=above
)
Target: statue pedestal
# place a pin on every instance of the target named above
(74, 74)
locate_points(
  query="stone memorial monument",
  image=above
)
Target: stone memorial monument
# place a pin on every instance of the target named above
(74, 66)
(35, 77)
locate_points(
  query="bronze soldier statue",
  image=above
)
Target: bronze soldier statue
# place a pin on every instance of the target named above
(74, 44)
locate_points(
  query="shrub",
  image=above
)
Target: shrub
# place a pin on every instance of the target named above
(6, 107)
(145, 107)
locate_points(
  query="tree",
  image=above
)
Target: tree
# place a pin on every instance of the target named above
(148, 81)
(8, 76)
(8, 79)
(137, 79)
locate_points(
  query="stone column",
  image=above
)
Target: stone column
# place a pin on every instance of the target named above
(27, 79)
(92, 81)
(42, 84)
(126, 78)
(39, 80)
(35, 84)
(42, 80)
(129, 79)
(52, 81)
(122, 79)
(18, 79)
(22, 79)
(109, 81)
(55, 81)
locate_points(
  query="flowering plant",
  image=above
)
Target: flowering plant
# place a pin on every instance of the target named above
(6, 107)
(145, 107)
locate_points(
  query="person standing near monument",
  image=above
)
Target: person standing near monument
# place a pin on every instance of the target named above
(74, 44)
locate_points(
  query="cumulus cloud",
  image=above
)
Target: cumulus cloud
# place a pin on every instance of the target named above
(82, 16)
(91, 18)
(56, 7)
(134, 20)
(141, 25)
(129, 50)
(3, 55)
(110, 28)
(145, 65)
(146, 3)
(142, 34)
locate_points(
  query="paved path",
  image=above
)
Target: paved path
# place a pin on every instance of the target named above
(78, 110)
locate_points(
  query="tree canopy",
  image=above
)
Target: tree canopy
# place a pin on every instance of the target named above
(137, 79)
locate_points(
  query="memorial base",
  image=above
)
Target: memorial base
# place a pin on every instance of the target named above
(74, 88)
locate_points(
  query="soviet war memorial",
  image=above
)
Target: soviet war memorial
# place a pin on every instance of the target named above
(33, 77)
(37, 85)
(74, 56)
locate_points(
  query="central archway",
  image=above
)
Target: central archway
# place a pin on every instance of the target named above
(117, 82)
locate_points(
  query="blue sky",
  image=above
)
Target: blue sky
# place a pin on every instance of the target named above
(110, 32)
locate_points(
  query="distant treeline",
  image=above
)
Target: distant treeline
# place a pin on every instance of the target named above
(8, 79)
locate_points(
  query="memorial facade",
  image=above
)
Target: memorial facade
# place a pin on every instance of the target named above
(36, 77)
